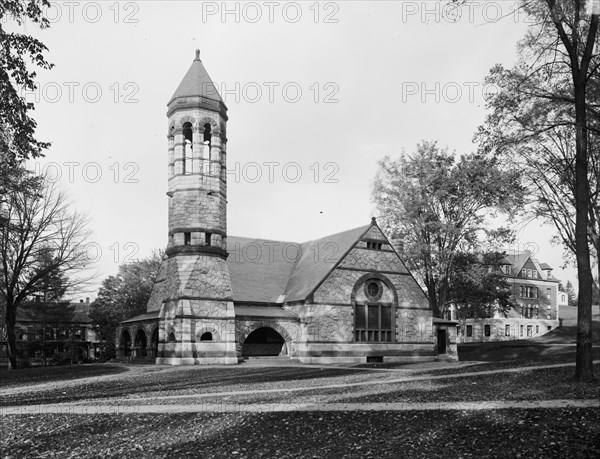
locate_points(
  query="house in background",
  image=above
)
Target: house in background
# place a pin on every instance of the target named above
(59, 331)
(538, 299)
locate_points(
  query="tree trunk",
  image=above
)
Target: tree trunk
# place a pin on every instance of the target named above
(11, 337)
(583, 357)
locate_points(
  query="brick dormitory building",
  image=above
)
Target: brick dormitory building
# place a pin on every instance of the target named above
(538, 300)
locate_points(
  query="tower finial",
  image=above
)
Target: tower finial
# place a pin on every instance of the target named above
(373, 221)
(197, 55)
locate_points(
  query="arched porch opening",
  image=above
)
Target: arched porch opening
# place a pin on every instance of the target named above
(154, 343)
(264, 342)
(125, 344)
(140, 343)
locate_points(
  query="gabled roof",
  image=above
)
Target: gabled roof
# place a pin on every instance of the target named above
(61, 312)
(269, 271)
(318, 258)
(259, 268)
(197, 82)
(517, 259)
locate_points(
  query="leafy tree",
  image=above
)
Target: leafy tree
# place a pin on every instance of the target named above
(124, 296)
(18, 127)
(441, 205)
(42, 250)
(477, 286)
(547, 113)
(571, 295)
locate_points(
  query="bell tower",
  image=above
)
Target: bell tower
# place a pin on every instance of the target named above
(197, 319)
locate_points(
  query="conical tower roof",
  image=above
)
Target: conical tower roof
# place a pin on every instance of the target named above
(197, 89)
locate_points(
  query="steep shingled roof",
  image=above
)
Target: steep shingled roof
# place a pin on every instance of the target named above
(259, 268)
(197, 82)
(318, 258)
(268, 271)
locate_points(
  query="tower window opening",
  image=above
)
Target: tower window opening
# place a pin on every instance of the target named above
(207, 134)
(188, 143)
(207, 238)
(187, 238)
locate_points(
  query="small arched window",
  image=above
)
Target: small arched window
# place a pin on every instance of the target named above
(171, 338)
(207, 134)
(188, 142)
(207, 336)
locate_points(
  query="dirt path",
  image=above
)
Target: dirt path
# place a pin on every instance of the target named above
(72, 408)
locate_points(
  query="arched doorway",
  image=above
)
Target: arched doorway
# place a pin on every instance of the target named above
(154, 343)
(140, 343)
(125, 347)
(264, 342)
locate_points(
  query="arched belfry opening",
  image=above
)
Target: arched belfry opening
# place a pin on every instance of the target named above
(207, 134)
(264, 342)
(188, 146)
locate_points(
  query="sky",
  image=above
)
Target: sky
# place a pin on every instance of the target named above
(317, 93)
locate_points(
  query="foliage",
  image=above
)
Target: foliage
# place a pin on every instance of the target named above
(478, 287)
(42, 249)
(571, 295)
(124, 296)
(18, 128)
(546, 113)
(441, 205)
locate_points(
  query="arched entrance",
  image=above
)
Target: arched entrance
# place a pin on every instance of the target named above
(125, 346)
(140, 343)
(264, 342)
(154, 343)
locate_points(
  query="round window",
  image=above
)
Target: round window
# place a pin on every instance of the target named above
(373, 290)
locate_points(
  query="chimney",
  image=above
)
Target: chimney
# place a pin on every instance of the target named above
(87, 300)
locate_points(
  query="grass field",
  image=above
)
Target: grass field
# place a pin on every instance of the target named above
(316, 426)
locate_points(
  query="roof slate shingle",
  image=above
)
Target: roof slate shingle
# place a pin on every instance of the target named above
(263, 270)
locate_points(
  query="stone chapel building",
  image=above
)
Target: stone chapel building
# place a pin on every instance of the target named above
(345, 298)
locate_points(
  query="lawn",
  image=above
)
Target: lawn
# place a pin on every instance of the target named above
(466, 433)
(563, 433)
(36, 375)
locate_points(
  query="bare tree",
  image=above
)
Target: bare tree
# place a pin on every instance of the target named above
(40, 239)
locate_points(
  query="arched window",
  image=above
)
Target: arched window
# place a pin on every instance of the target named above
(207, 336)
(171, 338)
(188, 142)
(207, 134)
(373, 318)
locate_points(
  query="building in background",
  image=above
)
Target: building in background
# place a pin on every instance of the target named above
(538, 299)
(58, 332)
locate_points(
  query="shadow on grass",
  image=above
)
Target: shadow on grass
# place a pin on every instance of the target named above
(419, 434)
(186, 381)
(28, 376)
